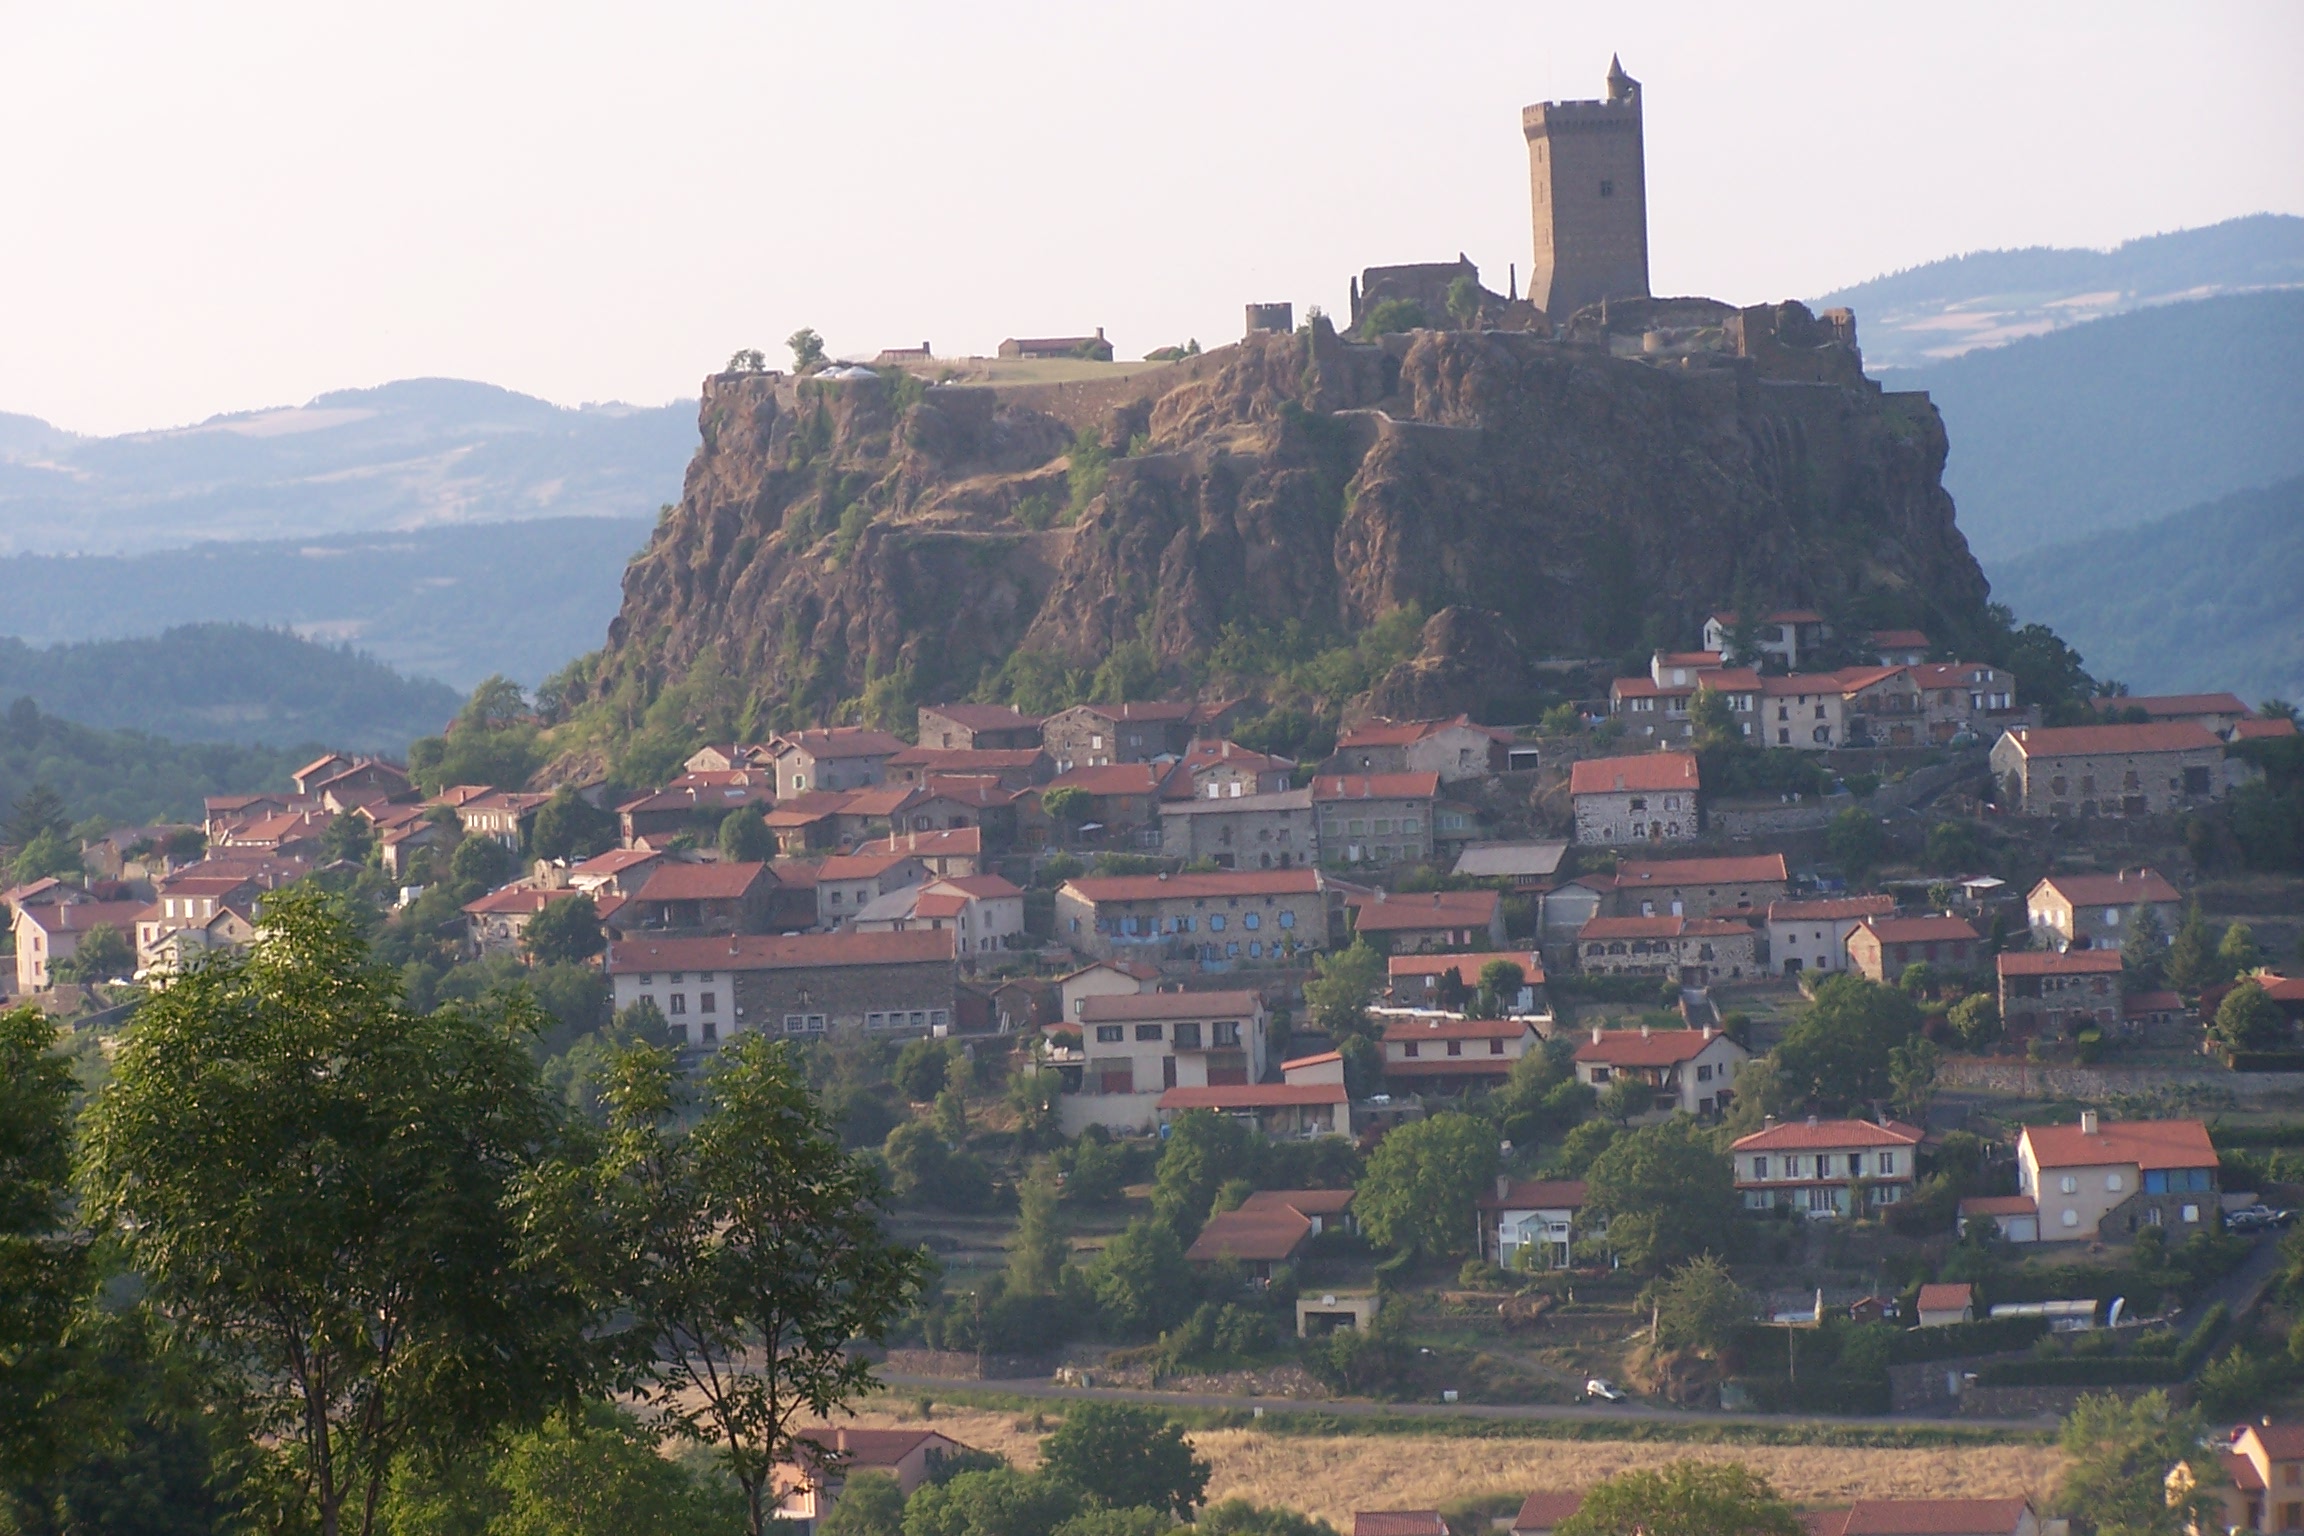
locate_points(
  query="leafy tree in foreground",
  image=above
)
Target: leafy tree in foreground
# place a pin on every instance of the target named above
(2191, 962)
(1203, 1150)
(1422, 1180)
(1841, 1051)
(1686, 1498)
(997, 1501)
(42, 1264)
(1140, 1281)
(871, 1504)
(2248, 1020)
(333, 1197)
(566, 931)
(1666, 1194)
(755, 1255)
(2117, 1456)
(1127, 1457)
(1854, 840)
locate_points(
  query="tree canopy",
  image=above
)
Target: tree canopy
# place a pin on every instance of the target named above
(1665, 1194)
(1685, 1498)
(1422, 1180)
(1127, 1457)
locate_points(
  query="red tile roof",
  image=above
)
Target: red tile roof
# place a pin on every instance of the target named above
(2162, 706)
(2146, 1143)
(2284, 1442)
(1312, 1060)
(840, 741)
(1945, 1298)
(1803, 1136)
(1467, 967)
(1646, 772)
(808, 807)
(1397, 1030)
(862, 1448)
(2137, 1004)
(965, 759)
(2114, 740)
(1253, 1096)
(1646, 1048)
(703, 882)
(2073, 962)
(858, 866)
(1113, 779)
(1900, 639)
(1265, 1233)
(1377, 731)
(1999, 1205)
(1398, 1522)
(615, 861)
(517, 899)
(1124, 1007)
(1746, 869)
(1919, 930)
(1413, 911)
(1663, 927)
(2242, 1471)
(980, 887)
(1543, 1511)
(2260, 730)
(1376, 786)
(1311, 1202)
(882, 799)
(2115, 890)
(1245, 882)
(80, 916)
(987, 717)
(943, 843)
(1535, 1195)
(1934, 1517)
(1830, 909)
(772, 952)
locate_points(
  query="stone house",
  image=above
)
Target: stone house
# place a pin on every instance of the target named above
(1742, 885)
(2108, 770)
(1375, 818)
(979, 728)
(1010, 768)
(1138, 1045)
(1880, 707)
(1454, 749)
(1804, 711)
(1414, 981)
(2108, 1178)
(1812, 935)
(1695, 951)
(797, 985)
(1545, 1214)
(1651, 797)
(847, 883)
(1692, 1071)
(840, 757)
(1218, 769)
(1445, 1053)
(804, 822)
(984, 913)
(1124, 799)
(1251, 831)
(1879, 948)
(1258, 1240)
(722, 756)
(2100, 911)
(618, 872)
(1826, 1167)
(1407, 922)
(349, 777)
(875, 812)
(694, 802)
(1957, 696)
(1252, 916)
(506, 816)
(497, 923)
(47, 932)
(1787, 634)
(954, 851)
(702, 898)
(2051, 995)
(188, 901)
(2216, 713)
(1097, 735)
(1655, 708)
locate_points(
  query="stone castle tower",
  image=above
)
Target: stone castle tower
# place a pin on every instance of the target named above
(1588, 187)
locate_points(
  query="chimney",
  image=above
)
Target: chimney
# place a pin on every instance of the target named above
(2087, 1122)
(1812, 1117)
(1645, 1031)
(1596, 1031)
(1767, 1122)
(1707, 1031)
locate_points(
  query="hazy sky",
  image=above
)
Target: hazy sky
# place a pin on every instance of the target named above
(221, 207)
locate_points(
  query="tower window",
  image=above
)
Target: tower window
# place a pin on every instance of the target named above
(1607, 189)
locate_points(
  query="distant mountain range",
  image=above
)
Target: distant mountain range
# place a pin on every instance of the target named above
(2210, 598)
(1948, 308)
(229, 683)
(419, 453)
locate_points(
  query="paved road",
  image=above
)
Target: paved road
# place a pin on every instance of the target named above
(1626, 1413)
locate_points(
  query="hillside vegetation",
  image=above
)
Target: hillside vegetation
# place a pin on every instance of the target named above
(2210, 598)
(127, 778)
(229, 683)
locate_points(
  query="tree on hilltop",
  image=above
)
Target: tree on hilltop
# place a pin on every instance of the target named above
(807, 350)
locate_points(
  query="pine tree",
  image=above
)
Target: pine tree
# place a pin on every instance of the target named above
(1039, 1251)
(38, 810)
(2191, 961)
(2237, 955)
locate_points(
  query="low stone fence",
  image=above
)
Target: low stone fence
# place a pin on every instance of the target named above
(2052, 1402)
(966, 1365)
(2032, 1079)
(1937, 1386)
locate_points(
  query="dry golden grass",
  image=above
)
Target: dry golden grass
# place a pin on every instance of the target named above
(1331, 1476)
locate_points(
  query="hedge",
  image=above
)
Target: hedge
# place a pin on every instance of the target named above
(2083, 1371)
(1986, 1336)
(1816, 1394)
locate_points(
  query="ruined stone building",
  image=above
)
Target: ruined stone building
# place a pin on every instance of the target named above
(1588, 189)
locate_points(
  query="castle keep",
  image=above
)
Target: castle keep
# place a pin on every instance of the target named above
(1588, 191)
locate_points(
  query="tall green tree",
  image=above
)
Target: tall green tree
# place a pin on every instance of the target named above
(43, 1261)
(996, 1501)
(1855, 841)
(2191, 962)
(2117, 1458)
(1127, 1457)
(1422, 1180)
(1665, 1194)
(37, 812)
(1039, 1251)
(103, 954)
(1140, 1281)
(1686, 1498)
(565, 932)
(1342, 986)
(2236, 952)
(566, 827)
(744, 836)
(341, 1202)
(754, 1255)
(1840, 1052)
(2248, 1020)
(1203, 1150)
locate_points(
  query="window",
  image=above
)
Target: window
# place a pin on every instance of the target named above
(1455, 1047)
(1253, 920)
(1148, 1032)
(711, 1032)
(1216, 922)
(2113, 1182)
(1600, 1074)
(1255, 949)
(708, 1002)
(1111, 1034)
(1224, 1032)
(1188, 1036)
(2068, 1184)
(938, 1018)
(679, 1002)
(1607, 188)
(803, 1023)
(1495, 1047)
(1887, 1162)
(2070, 1218)
(1411, 1048)
(2191, 1213)
(1704, 1072)
(1759, 1167)
(2156, 1181)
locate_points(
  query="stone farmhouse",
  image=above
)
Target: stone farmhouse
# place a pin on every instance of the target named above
(978, 728)
(1812, 935)
(1406, 922)
(1260, 916)
(1218, 769)
(839, 757)
(2108, 770)
(497, 923)
(1375, 818)
(2216, 713)
(1740, 886)
(2099, 911)
(1250, 831)
(1880, 948)
(2053, 995)
(799, 985)
(1696, 951)
(1649, 798)
(1454, 749)
(1094, 735)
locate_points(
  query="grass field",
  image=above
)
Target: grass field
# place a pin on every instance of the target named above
(1333, 1475)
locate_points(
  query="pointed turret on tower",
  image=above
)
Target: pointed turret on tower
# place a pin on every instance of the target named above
(1588, 190)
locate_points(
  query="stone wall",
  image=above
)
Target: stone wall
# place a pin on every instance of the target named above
(965, 1365)
(2051, 1402)
(2027, 1079)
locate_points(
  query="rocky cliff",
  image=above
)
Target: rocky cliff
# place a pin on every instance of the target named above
(1539, 498)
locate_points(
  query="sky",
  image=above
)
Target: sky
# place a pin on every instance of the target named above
(240, 205)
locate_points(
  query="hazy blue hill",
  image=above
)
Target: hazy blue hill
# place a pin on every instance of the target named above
(2121, 420)
(229, 682)
(129, 778)
(2210, 598)
(455, 603)
(1989, 298)
(412, 454)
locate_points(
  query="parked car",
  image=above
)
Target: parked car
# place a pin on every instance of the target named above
(1602, 1389)
(2258, 1218)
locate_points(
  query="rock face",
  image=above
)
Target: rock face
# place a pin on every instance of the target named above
(1539, 498)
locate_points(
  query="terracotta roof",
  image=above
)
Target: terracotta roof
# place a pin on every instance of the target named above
(1646, 772)
(2285, 1442)
(614, 862)
(772, 952)
(1124, 1007)
(941, 843)
(1918, 930)
(1663, 927)
(1543, 1511)
(518, 898)
(1954, 674)
(1404, 911)
(1265, 801)
(1535, 1195)
(1945, 1298)
(2113, 740)
(1806, 685)
(1311, 1061)
(1398, 1522)
(1311, 1202)
(2162, 706)
(966, 759)
(980, 887)
(1398, 1030)
(858, 866)
(702, 882)
(1934, 1517)
(1481, 1065)
(2115, 890)
(1744, 870)
(809, 806)
(2260, 730)
(1267, 1233)
(1830, 909)
(882, 799)
(2242, 1471)
(1148, 709)
(1637, 1048)
(979, 792)
(1376, 786)
(1216, 752)
(1901, 639)
(1253, 1096)
(987, 717)
(1857, 679)
(2146, 1143)
(795, 874)
(80, 916)
(1113, 779)
(1467, 967)
(2136, 1004)
(840, 741)
(1688, 658)
(2073, 962)
(1244, 882)
(1999, 1205)
(1802, 1136)
(862, 1448)
(1377, 731)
